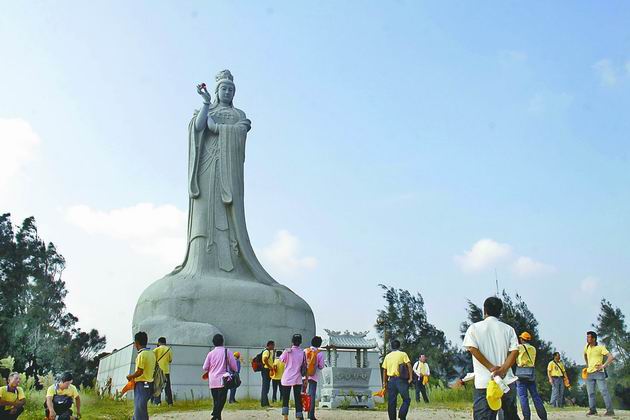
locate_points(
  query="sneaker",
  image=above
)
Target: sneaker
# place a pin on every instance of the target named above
(591, 413)
(609, 413)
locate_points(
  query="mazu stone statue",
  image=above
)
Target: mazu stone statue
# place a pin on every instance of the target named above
(221, 287)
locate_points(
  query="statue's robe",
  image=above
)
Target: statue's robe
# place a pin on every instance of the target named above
(218, 241)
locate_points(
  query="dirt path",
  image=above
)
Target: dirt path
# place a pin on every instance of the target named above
(434, 414)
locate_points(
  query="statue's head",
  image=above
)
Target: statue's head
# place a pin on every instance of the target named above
(225, 89)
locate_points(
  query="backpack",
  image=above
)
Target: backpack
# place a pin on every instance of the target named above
(159, 377)
(257, 363)
(311, 361)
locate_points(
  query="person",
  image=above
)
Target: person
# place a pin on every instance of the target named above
(494, 347)
(596, 374)
(232, 397)
(143, 376)
(60, 397)
(397, 376)
(315, 358)
(294, 360)
(278, 370)
(268, 357)
(421, 369)
(216, 366)
(12, 398)
(526, 361)
(557, 373)
(164, 357)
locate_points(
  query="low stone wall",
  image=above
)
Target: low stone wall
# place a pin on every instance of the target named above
(186, 370)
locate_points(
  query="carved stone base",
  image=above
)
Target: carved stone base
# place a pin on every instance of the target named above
(191, 308)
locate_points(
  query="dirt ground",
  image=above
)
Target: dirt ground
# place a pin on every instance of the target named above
(434, 414)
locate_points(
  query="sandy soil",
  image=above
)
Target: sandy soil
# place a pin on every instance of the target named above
(438, 414)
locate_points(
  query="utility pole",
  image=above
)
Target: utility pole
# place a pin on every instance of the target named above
(496, 280)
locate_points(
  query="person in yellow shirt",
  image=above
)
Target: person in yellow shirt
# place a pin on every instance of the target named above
(164, 357)
(268, 357)
(143, 376)
(525, 362)
(397, 376)
(278, 370)
(59, 399)
(12, 398)
(422, 371)
(595, 367)
(556, 374)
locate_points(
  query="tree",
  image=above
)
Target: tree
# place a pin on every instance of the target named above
(404, 318)
(35, 326)
(613, 332)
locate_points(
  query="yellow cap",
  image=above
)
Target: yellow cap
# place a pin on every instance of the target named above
(237, 354)
(493, 395)
(526, 336)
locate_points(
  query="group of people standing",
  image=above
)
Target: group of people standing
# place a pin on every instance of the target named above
(495, 348)
(291, 372)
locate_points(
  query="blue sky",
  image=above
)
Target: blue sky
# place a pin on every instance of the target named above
(420, 145)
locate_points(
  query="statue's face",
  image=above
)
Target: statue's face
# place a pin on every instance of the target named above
(226, 93)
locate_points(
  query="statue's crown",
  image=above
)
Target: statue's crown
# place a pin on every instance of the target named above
(224, 75)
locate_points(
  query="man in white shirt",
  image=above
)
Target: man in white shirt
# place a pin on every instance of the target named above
(494, 347)
(421, 369)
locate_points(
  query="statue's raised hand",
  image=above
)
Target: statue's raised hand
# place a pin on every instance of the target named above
(201, 90)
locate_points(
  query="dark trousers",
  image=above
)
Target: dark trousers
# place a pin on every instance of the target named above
(219, 396)
(141, 394)
(167, 391)
(481, 410)
(297, 397)
(6, 414)
(523, 387)
(266, 383)
(312, 391)
(276, 385)
(421, 388)
(397, 386)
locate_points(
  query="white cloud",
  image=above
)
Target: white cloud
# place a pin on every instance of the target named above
(282, 255)
(589, 285)
(19, 145)
(606, 72)
(483, 254)
(488, 253)
(526, 267)
(148, 229)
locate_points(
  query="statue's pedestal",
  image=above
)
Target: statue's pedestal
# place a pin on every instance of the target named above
(191, 308)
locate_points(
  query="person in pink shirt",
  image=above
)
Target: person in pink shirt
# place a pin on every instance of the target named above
(216, 366)
(294, 360)
(315, 363)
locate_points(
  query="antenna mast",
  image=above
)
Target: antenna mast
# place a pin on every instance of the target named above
(496, 280)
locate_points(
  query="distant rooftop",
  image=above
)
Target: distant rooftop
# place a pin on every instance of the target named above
(349, 340)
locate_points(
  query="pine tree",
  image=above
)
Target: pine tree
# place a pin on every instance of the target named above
(35, 326)
(404, 318)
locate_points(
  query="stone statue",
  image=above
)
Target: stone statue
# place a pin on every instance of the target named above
(221, 286)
